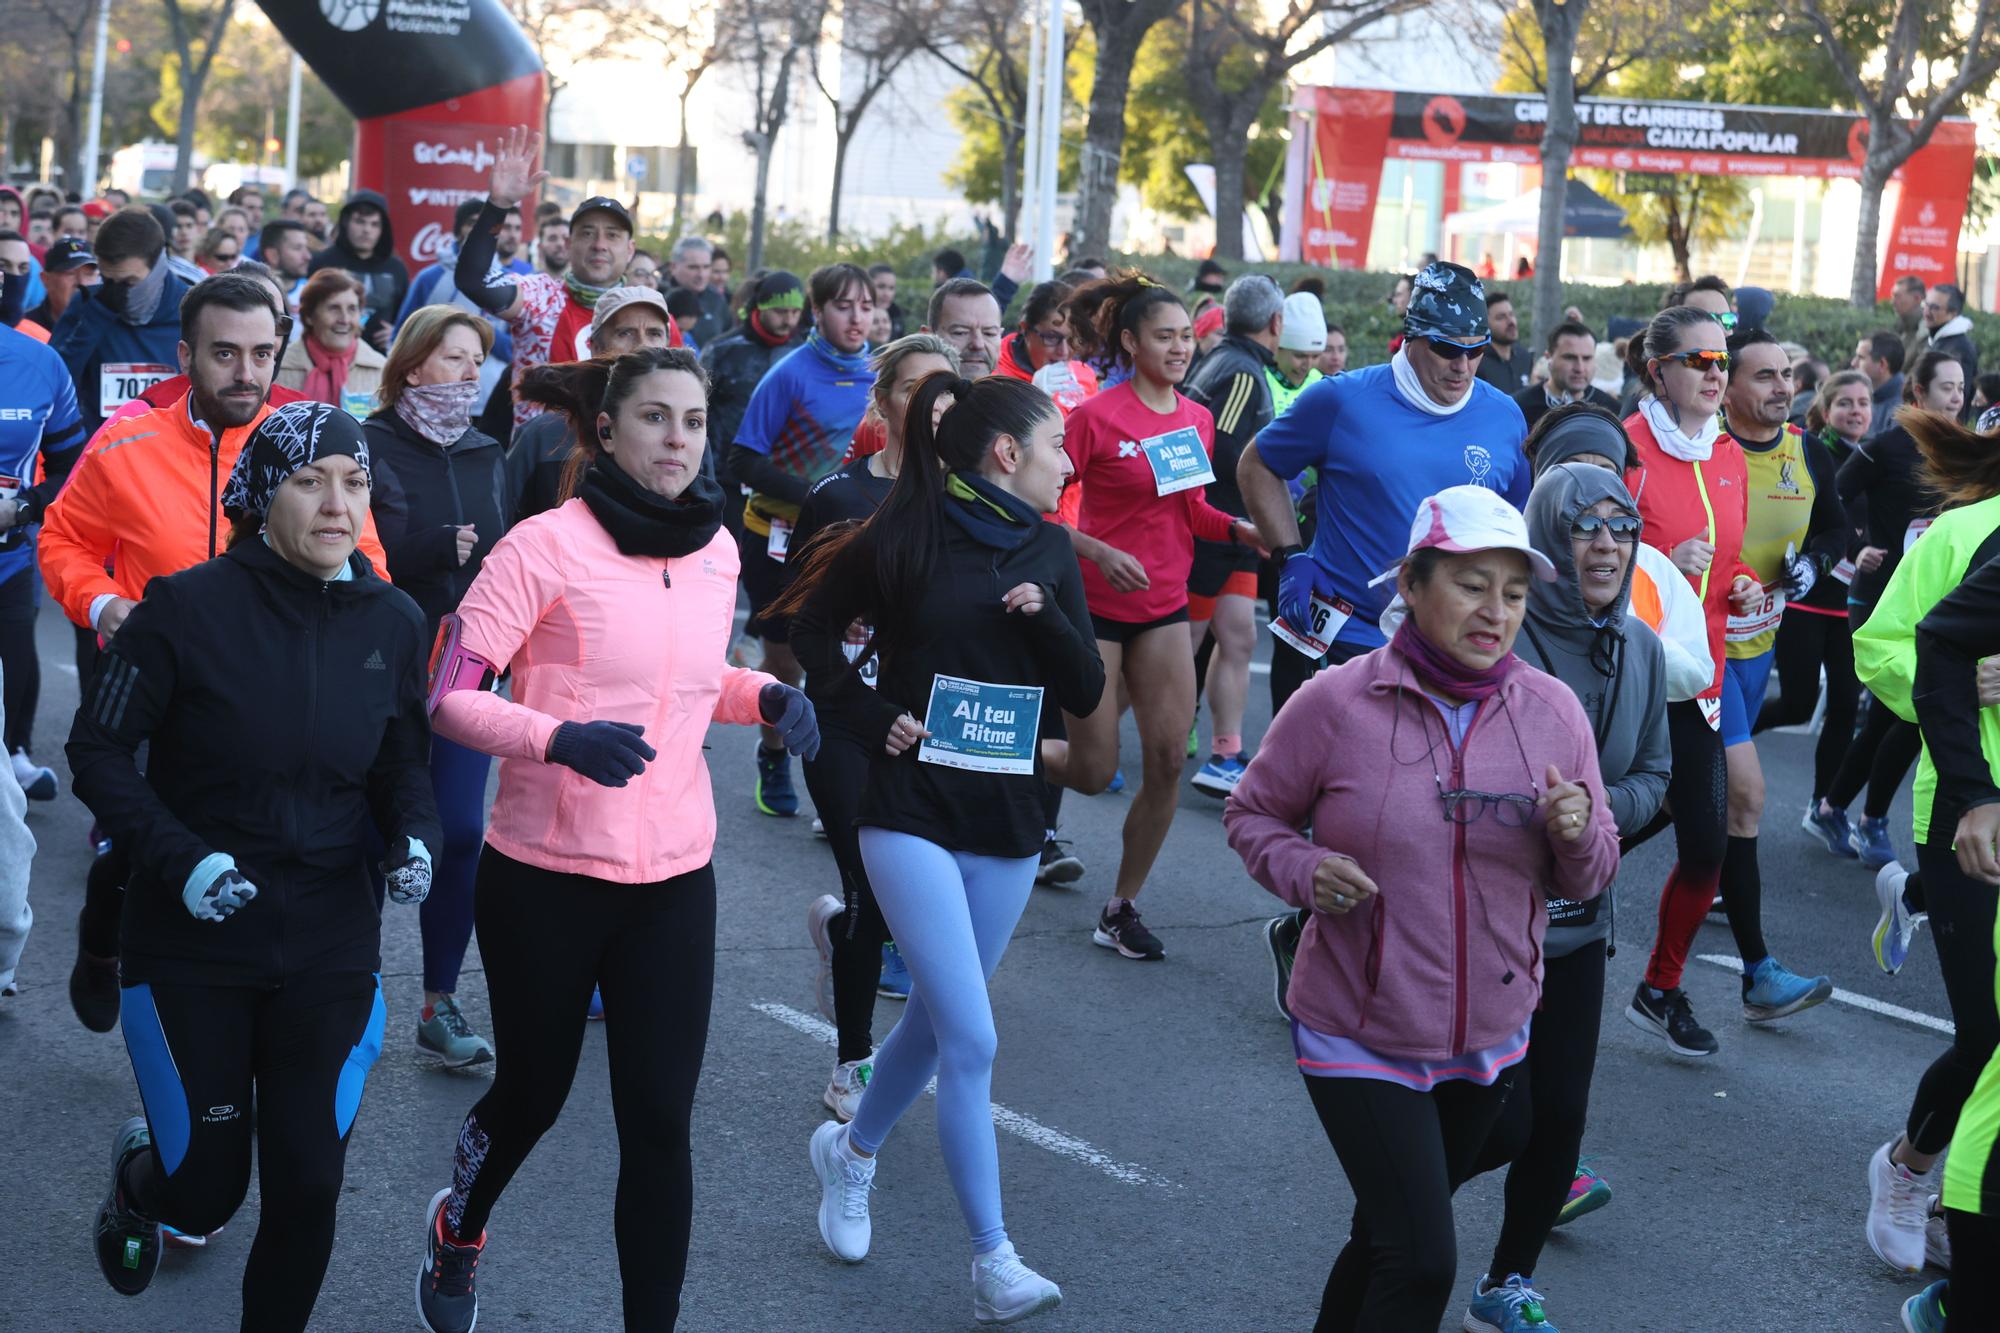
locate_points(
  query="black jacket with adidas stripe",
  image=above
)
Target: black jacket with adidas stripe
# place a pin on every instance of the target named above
(1230, 382)
(284, 714)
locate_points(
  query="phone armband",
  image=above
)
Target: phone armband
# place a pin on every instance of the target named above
(455, 666)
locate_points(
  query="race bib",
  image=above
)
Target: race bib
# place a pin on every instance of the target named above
(119, 382)
(854, 645)
(1917, 528)
(781, 540)
(1327, 619)
(981, 727)
(1761, 620)
(1178, 461)
(1844, 571)
(1711, 713)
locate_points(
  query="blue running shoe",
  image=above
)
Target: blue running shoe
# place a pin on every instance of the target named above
(1117, 783)
(895, 980)
(1772, 992)
(1588, 1192)
(596, 1009)
(1897, 924)
(1924, 1312)
(1870, 841)
(1830, 828)
(775, 794)
(1507, 1307)
(1219, 776)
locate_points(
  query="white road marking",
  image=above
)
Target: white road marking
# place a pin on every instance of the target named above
(1021, 1126)
(1848, 997)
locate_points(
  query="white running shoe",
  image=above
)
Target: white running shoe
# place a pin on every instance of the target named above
(819, 913)
(844, 1089)
(819, 828)
(1898, 1205)
(1937, 1241)
(38, 782)
(1005, 1290)
(844, 1182)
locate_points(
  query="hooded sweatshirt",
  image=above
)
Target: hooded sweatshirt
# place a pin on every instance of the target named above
(382, 273)
(1614, 665)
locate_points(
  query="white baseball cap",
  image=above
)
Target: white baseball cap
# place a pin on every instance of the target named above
(1305, 324)
(622, 298)
(1460, 520)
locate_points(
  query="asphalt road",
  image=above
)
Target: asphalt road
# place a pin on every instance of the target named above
(1160, 1159)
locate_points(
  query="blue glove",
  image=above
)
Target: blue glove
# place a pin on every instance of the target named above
(610, 754)
(216, 889)
(1297, 580)
(407, 871)
(790, 714)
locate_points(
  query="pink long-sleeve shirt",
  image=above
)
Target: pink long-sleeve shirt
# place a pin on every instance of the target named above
(595, 635)
(1447, 959)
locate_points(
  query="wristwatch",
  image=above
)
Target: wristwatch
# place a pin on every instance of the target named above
(1283, 553)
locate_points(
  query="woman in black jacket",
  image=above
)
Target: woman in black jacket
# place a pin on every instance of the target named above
(980, 629)
(442, 498)
(281, 687)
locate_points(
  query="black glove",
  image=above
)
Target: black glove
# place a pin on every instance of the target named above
(1801, 572)
(608, 753)
(112, 295)
(407, 871)
(790, 714)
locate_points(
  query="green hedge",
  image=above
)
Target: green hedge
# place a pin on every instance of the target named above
(1356, 300)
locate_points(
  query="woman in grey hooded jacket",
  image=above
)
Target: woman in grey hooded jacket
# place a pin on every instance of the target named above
(1580, 630)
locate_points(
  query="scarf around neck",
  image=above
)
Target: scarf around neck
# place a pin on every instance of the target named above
(582, 292)
(144, 301)
(642, 523)
(1695, 448)
(1438, 671)
(439, 412)
(328, 375)
(1413, 389)
(853, 363)
(990, 516)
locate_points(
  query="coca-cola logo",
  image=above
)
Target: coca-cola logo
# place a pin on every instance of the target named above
(474, 156)
(429, 245)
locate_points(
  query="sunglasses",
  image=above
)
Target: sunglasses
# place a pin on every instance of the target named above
(1452, 351)
(1700, 359)
(1624, 528)
(1727, 319)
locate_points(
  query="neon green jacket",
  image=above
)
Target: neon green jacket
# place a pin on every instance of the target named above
(1885, 648)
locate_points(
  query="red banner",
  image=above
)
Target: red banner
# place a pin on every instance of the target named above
(1354, 131)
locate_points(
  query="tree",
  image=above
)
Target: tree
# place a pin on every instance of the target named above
(245, 105)
(1119, 26)
(688, 39)
(553, 28)
(1679, 213)
(877, 37)
(987, 47)
(1239, 52)
(1880, 75)
(182, 24)
(767, 40)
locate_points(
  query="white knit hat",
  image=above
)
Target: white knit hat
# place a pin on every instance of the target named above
(1305, 324)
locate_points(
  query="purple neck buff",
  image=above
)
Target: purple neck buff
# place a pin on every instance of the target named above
(1438, 671)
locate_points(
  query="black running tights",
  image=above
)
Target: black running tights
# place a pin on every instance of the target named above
(1404, 1153)
(547, 938)
(1962, 912)
(1808, 641)
(1541, 1127)
(1881, 754)
(17, 656)
(1972, 1301)
(835, 780)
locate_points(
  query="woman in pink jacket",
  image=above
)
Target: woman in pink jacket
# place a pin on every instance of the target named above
(1450, 791)
(613, 613)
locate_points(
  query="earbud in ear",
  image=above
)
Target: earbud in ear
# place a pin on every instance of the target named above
(604, 432)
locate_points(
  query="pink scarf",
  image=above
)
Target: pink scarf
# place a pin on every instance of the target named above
(1437, 670)
(328, 375)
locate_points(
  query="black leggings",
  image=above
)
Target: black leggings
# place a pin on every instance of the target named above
(1962, 912)
(17, 657)
(1972, 1301)
(1405, 1153)
(1541, 1127)
(198, 1051)
(547, 938)
(1880, 756)
(1808, 641)
(835, 780)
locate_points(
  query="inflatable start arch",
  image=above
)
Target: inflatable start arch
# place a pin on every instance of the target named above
(432, 85)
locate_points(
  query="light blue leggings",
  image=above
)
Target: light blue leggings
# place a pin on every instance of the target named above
(951, 915)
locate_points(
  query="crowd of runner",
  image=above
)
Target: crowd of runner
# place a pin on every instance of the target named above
(333, 537)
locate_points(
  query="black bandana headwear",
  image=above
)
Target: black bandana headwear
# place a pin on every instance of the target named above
(1446, 301)
(285, 441)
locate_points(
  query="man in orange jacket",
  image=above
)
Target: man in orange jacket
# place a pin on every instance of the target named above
(145, 501)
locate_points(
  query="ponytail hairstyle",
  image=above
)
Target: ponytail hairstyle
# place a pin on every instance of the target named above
(1131, 295)
(878, 570)
(1961, 465)
(582, 389)
(1662, 338)
(1085, 340)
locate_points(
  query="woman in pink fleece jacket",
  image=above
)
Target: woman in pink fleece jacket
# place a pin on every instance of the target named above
(1450, 790)
(613, 613)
